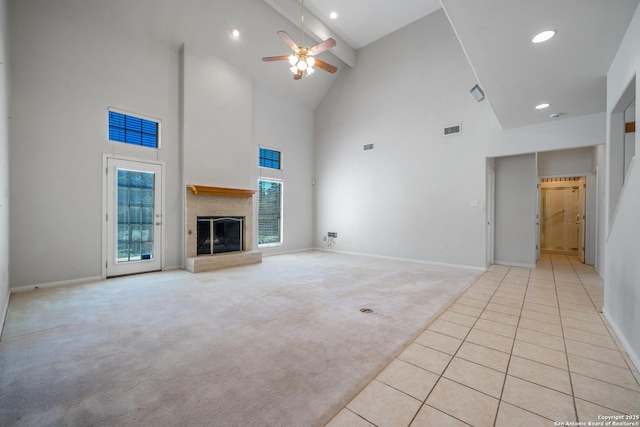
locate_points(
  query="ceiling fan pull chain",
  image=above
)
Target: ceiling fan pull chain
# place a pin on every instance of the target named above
(302, 24)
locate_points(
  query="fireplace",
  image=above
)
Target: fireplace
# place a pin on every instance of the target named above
(218, 228)
(218, 234)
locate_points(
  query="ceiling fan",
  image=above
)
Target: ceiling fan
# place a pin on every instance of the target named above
(303, 58)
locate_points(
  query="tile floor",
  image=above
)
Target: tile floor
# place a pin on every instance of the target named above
(521, 347)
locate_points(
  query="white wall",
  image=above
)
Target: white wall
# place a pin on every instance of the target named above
(573, 162)
(574, 132)
(217, 109)
(288, 128)
(67, 69)
(411, 196)
(622, 273)
(4, 164)
(422, 182)
(515, 210)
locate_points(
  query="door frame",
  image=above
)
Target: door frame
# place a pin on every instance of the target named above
(582, 212)
(105, 229)
(538, 218)
(490, 215)
(591, 221)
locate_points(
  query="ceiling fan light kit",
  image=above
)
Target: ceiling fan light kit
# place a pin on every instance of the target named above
(303, 58)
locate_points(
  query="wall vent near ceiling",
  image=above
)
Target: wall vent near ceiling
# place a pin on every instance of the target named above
(450, 130)
(368, 147)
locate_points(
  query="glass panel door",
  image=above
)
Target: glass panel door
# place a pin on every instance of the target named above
(134, 217)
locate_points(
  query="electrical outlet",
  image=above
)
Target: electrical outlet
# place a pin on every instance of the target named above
(332, 234)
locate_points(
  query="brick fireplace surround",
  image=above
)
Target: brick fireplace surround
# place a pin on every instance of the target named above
(204, 201)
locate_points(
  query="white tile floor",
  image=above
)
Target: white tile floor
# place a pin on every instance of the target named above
(521, 346)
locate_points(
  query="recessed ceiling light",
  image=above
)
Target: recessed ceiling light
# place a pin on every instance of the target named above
(543, 36)
(235, 33)
(541, 106)
(333, 15)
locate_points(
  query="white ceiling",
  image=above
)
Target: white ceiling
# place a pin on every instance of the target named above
(361, 22)
(569, 71)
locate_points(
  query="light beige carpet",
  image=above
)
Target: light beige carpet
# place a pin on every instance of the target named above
(282, 343)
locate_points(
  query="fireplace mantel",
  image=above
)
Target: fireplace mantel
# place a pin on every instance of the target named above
(220, 191)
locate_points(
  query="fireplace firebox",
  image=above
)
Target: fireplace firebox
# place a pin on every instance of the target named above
(219, 234)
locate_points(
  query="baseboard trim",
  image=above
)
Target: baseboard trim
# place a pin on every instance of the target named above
(632, 354)
(55, 284)
(295, 251)
(514, 264)
(5, 310)
(419, 261)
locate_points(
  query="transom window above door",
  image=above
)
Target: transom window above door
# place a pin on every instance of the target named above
(132, 129)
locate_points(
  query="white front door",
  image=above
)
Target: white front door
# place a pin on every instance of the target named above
(133, 217)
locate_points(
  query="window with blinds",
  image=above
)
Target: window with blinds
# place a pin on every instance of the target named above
(133, 130)
(269, 212)
(269, 158)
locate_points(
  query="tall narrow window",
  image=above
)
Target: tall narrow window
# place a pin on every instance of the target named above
(133, 130)
(269, 212)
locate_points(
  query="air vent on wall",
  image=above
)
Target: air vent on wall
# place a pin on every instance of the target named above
(450, 130)
(368, 147)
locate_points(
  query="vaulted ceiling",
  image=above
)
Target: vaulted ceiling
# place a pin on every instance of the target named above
(568, 72)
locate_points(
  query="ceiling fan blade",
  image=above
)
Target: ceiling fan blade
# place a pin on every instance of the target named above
(322, 46)
(298, 75)
(275, 58)
(288, 40)
(327, 67)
